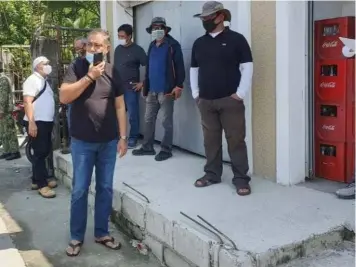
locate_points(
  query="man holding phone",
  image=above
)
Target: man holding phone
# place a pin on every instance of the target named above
(95, 90)
(128, 58)
(165, 75)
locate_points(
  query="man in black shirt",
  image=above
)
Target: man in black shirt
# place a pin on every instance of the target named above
(98, 108)
(127, 60)
(220, 77)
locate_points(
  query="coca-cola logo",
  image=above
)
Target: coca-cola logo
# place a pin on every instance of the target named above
(328, 84)
(329, 44)
(328, 127)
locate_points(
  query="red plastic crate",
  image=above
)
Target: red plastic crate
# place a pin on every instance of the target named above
(330, 160)
(327, 33)
(330, 122)
(331, 80)
(350, 117)
(350, 162)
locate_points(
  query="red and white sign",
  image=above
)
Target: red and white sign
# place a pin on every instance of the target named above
(330, 44)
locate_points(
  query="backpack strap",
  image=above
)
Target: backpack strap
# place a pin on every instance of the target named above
(40, 92)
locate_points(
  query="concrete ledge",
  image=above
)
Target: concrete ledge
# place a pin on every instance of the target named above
(177, 242)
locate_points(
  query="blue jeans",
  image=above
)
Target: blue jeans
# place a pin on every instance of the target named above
(85, 156)
(132, 99)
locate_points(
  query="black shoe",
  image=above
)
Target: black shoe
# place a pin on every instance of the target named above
(13, 156)
(143, 152)
(5, 155)
(163, 155)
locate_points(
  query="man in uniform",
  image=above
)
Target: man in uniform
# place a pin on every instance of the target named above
(8, 134)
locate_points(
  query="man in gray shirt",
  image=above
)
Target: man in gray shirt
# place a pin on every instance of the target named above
(127, 60)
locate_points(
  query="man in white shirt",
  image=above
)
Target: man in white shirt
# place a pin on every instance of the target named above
(39, 109)
(220, 78)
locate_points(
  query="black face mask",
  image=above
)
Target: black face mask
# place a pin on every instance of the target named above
(209, 25)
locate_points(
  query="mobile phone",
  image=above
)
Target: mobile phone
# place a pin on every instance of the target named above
(98, 58)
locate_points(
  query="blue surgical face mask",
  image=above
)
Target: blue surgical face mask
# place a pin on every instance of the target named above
(90, 57)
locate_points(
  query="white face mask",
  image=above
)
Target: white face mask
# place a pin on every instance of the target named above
(47, 69)
(122, 42)
(157, 35)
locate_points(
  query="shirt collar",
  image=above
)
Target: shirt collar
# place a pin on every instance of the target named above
(223, 31)
(39, 75)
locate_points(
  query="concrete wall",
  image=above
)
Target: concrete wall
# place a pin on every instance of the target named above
(263, 107)
(264, 88)
(333, 9)
(186, 29)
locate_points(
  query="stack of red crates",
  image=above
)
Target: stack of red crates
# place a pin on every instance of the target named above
(334, 96)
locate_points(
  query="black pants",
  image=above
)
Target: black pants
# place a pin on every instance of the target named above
(226, 114)
(41, 145)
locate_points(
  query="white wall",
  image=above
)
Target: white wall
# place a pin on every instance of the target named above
(333, 9)
(186, 29)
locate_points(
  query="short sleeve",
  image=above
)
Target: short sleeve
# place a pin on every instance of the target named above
(142, 57)
(194, 62)
(117, 83)
(30, 87)
(70, 76)
(244, 49)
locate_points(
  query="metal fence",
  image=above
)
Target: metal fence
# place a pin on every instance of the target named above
(61, 56)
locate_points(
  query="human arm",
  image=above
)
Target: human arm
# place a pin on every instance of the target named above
(178, 64)
(142, 59)
(194, 75)
(30, 90)
(121, 117)
(246, 68)
(72, 88)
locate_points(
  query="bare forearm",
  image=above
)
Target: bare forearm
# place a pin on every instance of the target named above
(71, 91)
(29, 111)
(122, 120)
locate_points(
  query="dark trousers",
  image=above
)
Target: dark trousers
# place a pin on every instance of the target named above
(154, 103)
(226, 114)
(132, 99)
(41, 145)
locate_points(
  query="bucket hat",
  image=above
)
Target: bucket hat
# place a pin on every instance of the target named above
(213, 7)
(158, 21)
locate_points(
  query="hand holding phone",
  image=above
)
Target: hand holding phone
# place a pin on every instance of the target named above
(98, 58)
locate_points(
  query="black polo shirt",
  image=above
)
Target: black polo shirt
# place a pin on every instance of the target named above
(218, 60)
(93, 113)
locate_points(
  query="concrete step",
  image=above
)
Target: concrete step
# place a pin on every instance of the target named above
(273, 226)
(344, 256)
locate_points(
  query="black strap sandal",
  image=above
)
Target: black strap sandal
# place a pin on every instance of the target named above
(205, 181)
(109, 240)
(242, 187)
(74, 248)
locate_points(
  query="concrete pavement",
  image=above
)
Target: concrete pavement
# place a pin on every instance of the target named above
(34, 231)
(273, 226)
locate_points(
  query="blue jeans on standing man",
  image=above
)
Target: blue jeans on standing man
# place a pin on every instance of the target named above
(85, 156)
(132, 100)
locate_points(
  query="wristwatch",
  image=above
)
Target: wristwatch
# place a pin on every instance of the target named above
(123, 137)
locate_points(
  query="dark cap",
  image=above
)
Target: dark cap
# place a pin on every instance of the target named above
(158, 21)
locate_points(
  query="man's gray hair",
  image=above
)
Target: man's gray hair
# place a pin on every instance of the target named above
(102, 32)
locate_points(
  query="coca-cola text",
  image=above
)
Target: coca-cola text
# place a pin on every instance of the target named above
(330, 44)
(328, 85)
